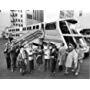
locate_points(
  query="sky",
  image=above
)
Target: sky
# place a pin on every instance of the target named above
(4, 20)
(51, 15)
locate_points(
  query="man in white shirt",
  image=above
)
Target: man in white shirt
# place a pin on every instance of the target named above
(30, 52)
(47, 57)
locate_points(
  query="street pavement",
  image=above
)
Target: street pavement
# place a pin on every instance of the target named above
(39, 72)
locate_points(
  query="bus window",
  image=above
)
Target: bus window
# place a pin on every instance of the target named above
(17, 35)
(63, 27)
(37, 27)
(24, 29)
(13, 30)
(78, 39)
(10, 30)
(50, 26)
(28, 28)
(33, 27)
(74, 32)
(17, 29)
(69, 39)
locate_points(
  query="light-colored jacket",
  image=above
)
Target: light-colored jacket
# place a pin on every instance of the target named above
(61, 55)
(72, 56)
(30, 53)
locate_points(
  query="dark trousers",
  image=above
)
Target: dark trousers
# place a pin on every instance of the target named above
(53, 65)
(13, 60)
(61, 68)
(31, 65)
(8, 61)
(47, 64)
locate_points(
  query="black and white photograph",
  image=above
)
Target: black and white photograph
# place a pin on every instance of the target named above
(44, 44)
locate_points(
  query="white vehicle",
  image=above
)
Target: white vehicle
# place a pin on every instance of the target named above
(61, 31)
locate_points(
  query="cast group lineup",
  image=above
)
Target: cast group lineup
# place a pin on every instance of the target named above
(25, 58)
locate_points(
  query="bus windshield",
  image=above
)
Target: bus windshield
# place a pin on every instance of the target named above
(63, 27)
(50, 26)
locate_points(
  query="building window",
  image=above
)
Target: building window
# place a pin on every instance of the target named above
(21, 25)
(15, 14)
(18, 20)
(21, 20)
(21, 15)
(16, 24)
(29, 16)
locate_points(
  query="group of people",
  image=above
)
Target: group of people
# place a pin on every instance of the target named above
(52, 58)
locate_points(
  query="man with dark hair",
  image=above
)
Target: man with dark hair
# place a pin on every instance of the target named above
(47, 57)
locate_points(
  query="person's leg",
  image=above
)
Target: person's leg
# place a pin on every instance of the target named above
(12, 62)
(60, 68)
(33, 64)
(7, 62)
(20, 66)
(15, 58)
(45, 65)
(48, 64)
(78, 69)
(66, 70)
(52, 66)
(55, 65)
(30, 65)
(23, 68)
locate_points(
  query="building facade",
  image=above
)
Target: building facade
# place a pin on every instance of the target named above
(38, 15)
(21, 18)
(17, 18)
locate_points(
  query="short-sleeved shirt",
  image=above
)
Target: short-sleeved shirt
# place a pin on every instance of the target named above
(47, 54)
(30, 53)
